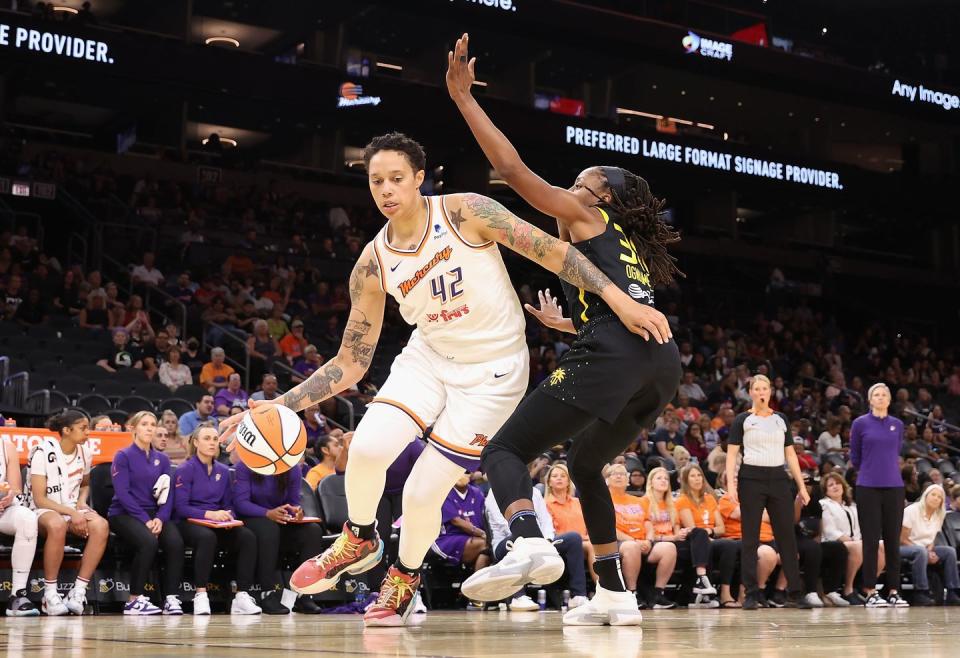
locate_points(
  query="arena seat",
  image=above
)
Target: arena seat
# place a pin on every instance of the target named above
(72, 386)
(178, 406)
(46, 402)
(94, 404)
(152, 391)
(9, 330)
(923, 465)
(951, 530)
(191, 393)
(101, 488)
(90, 371)
(112, 388)
(118, 416)
(131, 375)
(134, 403)
(333, 501)
(308, 500)
(946, 467)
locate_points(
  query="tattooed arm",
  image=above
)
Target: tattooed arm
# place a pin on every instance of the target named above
(359, 339)
(481, 219)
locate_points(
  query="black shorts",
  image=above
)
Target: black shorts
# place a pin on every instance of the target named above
(608, 366)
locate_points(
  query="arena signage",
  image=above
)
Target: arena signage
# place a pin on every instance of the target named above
(503, 5)
(351, 95)
(694, 43)
(102, 445)
(919, 93)
(53, 43)
(703, 158)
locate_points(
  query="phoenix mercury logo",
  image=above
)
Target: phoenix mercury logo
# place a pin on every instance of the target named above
(418, 276)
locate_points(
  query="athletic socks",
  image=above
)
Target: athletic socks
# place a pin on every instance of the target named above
(366, 532)
(609, 573)
(524, 524)
(49, 587)
(19, 579)
(404, 569)
(80, 587)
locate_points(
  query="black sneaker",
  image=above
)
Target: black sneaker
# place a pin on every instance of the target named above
(661, 602)
(876, 601)
(762, 600)
(20, 606)
(271, 605)
(854, 598)
(797, 600)
(953, 598)
(306, 606)
(704, 587)
(751, 602)
(920, 599)
(779, 599)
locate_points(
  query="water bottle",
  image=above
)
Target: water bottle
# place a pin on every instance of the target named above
(566, 600)
(542, 599)
(9, 422)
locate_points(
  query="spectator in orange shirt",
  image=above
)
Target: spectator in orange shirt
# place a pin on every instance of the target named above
(327, 448)
(565, 509)
(293, 344)
(215, 374)
(632, 538)
(767, 557)
(663, 525)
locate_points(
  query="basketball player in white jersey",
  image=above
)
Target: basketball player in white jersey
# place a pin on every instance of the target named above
(463, 372)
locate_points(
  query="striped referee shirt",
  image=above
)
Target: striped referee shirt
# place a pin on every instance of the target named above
(762, 438)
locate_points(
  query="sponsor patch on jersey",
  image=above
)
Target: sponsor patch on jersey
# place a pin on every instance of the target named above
(447, 316)
(638, 292)
(479, 440)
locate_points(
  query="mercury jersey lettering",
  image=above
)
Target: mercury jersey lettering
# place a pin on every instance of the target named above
(457, 294)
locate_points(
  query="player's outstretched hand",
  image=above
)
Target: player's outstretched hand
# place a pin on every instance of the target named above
(550, 313)
(228, 426)
(460, 69)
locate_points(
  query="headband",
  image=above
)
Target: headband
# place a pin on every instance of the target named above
(615, 180)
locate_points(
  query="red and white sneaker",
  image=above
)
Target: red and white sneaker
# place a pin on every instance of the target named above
(397, 600)
(348, 554)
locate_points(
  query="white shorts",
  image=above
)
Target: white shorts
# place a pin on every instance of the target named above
(465, 403)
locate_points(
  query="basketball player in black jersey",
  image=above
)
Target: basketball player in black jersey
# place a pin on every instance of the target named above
(608, 386)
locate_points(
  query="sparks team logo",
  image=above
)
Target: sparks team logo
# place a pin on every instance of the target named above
(557, 376)
(480, 440)
(691, 42)
(712, 48)
(156, 462)
(418, 276)
(217, 477)
(352, 94)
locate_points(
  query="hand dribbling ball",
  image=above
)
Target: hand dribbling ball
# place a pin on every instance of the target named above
(271, 439)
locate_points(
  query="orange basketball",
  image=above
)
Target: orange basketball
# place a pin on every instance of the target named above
(271, 439)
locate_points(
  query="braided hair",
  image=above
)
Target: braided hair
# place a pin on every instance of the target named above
(639, 212)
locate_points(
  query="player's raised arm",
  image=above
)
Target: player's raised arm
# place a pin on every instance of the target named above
(548, 199)
(482, 219)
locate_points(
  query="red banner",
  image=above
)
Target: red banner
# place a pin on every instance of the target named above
(102, 445)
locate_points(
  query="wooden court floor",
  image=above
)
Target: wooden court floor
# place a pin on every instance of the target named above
(920, 633)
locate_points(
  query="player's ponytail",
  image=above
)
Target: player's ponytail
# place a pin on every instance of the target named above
(61, 421)
(639, 212)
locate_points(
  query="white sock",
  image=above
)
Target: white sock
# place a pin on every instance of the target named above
(49, 587)
(20, 580)
(80, 587)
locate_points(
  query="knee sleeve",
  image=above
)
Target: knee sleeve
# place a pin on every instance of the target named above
(26, 524)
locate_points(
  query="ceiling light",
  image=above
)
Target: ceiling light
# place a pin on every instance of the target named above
(67, 10)
(711, 98)
(654, 86)
(739, 103)
(683, 121)
(683, 92)
(479, 83)
(225, 141)
(705, 125)
(816, 119)
(623, 110)
(393, 67)
(823, 31)
(725, 136)
(790, 114)
(225, 40)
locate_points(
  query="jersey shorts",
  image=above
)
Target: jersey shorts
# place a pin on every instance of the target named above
(465, 403)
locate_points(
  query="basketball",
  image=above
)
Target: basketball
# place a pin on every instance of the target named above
(271, 439)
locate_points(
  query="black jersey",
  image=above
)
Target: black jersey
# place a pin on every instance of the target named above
(615, 255)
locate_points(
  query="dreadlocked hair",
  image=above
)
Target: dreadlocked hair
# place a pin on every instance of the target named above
(639, 214)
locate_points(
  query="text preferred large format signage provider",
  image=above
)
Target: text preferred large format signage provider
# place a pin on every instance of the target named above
(54, 43)
(695, 156)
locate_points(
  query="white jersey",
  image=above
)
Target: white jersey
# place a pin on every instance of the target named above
(457, 294)
(64, 473)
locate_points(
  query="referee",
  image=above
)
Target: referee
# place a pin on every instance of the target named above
(761, 483)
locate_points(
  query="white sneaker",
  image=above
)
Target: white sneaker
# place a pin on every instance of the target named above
(75, 602)
(606, 608)
(141, 607)
(836, 598)
(172, 605)
(420, 608)
(531, 560)
(243, 604)
(201, 604)
(813, 599)
(576, 602)
(523, 603)
(53, 605)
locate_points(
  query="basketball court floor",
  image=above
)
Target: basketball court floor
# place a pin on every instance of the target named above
(851, 633)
